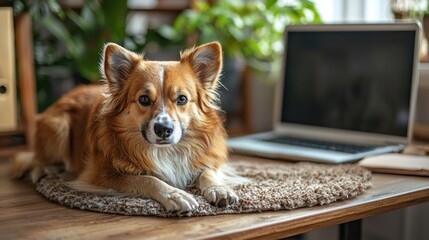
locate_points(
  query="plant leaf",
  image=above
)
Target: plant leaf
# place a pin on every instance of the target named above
(58, 30)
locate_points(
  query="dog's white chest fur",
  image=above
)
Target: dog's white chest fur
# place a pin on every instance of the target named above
(173, 166)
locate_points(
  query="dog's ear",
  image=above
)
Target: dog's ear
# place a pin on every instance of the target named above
(116, 65)
(206, 62)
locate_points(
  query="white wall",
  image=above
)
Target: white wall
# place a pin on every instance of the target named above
(354, 10)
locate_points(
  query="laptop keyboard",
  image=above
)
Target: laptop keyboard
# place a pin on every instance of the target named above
(331, 146)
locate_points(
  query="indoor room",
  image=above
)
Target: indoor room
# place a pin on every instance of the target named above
(214, 119)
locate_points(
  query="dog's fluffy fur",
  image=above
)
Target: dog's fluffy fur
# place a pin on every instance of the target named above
(151, 130)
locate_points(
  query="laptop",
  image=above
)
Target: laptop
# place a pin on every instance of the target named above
(347, 91)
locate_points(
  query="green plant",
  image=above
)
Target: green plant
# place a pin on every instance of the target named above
(81, 33)
(96, 24)
(67, 42)
(252, 30)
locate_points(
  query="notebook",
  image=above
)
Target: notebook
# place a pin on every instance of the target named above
(397, 164)
(347, 91)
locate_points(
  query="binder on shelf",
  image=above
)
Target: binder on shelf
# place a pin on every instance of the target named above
(8, 105)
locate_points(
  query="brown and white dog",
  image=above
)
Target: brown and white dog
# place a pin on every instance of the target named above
(151, 130)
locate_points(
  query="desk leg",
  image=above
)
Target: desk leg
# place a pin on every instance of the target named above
(351, 230)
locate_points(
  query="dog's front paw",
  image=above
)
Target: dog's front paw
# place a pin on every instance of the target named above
(220, 196)
(179, 201)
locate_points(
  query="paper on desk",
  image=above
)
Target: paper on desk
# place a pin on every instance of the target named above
(397, 163)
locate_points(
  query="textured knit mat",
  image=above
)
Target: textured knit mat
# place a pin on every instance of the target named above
(273, 186)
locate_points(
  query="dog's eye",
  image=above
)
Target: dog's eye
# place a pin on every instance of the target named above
(181, 100)
(144, 100)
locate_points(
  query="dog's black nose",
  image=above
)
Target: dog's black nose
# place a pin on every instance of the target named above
(163, 130)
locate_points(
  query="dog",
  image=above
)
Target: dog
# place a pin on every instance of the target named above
(152, 129)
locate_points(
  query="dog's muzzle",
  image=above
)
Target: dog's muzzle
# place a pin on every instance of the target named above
(162, 130)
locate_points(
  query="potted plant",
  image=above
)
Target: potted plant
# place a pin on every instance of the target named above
(67, 41)
(250, 32)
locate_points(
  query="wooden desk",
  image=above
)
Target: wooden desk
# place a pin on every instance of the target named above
(24, 214)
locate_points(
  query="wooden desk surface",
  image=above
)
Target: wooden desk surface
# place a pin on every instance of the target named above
(24, 213)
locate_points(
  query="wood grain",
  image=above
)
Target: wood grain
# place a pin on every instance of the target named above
(26, 214)
(27, 76)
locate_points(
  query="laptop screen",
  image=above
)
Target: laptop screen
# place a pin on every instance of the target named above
(351, 80)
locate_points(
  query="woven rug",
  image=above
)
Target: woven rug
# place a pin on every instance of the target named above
(273, 186)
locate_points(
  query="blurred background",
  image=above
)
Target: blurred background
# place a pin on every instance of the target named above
(67, 37)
